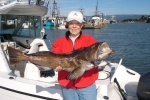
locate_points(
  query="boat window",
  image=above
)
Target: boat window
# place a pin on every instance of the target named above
(19, 25)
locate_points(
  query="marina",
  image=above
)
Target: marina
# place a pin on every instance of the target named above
(57, 21)
(122, 77)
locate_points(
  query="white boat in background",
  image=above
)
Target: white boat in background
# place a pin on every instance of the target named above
(97, 21)
(115, 82)
(61, 26)
(112, 20)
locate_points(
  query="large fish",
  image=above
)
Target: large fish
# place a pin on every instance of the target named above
(76, 62)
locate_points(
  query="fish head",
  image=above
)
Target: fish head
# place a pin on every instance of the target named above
(104, 51)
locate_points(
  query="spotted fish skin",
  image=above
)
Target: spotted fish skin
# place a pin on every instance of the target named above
(75, 62)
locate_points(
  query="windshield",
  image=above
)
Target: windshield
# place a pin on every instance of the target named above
(21, 25)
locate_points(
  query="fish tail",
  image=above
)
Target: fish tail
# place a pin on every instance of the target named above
(15, 56)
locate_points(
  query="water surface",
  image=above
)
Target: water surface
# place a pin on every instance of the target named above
(131, 41)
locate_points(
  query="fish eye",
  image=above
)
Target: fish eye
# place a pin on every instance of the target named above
(103, 50)
(100, 51)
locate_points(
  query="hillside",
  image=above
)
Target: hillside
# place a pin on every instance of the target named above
(121, 17)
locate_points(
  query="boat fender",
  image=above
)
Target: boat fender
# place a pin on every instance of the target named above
(120, 89)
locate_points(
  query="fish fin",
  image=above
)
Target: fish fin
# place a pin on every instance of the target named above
(15, 56)
(76, 73)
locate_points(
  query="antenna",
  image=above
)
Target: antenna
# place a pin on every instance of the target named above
(81, 10)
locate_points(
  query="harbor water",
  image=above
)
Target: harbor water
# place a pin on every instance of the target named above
(130, 41)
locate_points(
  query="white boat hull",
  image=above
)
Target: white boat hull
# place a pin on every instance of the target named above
(23, 88)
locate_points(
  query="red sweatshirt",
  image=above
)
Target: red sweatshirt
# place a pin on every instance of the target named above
(65, 45)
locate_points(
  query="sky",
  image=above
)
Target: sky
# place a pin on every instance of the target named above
(107, 7)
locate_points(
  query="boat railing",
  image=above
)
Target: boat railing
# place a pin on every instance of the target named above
(35, 2)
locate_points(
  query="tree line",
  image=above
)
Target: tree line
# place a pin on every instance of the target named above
(141, 19)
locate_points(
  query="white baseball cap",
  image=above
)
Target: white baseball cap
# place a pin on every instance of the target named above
(75, 15)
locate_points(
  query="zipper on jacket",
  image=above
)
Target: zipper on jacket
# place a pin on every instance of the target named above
(73, 44)
(73, 47)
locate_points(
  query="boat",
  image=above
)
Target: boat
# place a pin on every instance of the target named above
(148, 19)
(50, 24)
(61, 26)
(97, 21)
(115, 81)
(112, 20)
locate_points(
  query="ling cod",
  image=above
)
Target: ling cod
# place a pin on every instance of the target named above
(76, 62)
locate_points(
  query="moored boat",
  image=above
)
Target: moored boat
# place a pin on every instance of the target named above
(61, 26)
(97, 21)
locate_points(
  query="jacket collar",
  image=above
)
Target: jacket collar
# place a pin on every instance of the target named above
(68, 33)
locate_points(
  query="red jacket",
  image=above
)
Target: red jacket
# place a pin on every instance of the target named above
(65, 45)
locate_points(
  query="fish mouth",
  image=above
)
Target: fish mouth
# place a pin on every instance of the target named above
(112, 52)
(106, 53)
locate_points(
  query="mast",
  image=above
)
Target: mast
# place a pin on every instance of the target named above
(82, 11)
(96, 10)
(55, 11)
